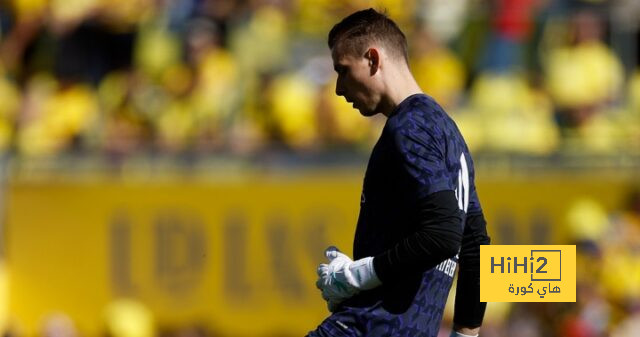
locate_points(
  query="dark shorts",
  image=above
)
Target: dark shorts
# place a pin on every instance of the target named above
(343, 324)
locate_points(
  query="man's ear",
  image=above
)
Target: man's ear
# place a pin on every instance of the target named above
(373, 57)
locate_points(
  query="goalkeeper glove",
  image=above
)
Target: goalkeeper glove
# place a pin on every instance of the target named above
(342, 277)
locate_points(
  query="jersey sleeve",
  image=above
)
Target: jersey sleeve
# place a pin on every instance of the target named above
(468, 310)
(437, 237)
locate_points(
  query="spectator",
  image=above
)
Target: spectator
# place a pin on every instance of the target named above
(583, 75)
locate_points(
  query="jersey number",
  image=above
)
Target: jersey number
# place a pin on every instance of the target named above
(462, 193)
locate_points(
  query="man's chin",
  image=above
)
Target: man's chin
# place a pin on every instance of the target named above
(366, 113)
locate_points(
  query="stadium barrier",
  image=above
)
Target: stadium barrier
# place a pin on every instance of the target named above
(236, 255)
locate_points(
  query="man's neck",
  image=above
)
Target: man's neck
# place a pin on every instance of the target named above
(400, 85)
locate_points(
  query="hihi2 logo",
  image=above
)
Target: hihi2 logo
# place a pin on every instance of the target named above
(528, 273)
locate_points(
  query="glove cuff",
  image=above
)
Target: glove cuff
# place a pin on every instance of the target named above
(458, 334)
(362, 274)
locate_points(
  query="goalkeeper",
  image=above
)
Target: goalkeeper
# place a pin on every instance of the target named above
(419, 214)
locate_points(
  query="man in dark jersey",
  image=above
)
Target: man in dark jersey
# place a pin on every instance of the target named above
(419, 212)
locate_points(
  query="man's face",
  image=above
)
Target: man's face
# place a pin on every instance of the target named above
(356, 81)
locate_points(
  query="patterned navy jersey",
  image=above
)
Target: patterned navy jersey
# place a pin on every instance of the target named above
(420, 152)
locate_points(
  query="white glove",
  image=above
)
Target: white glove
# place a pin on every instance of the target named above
(331, 280)
(342, 278)
(334, 295)
(457, 334)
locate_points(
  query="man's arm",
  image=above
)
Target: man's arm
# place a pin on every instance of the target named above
(469, 311)
(437, 238)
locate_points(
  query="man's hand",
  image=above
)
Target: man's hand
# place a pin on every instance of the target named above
(342, 277)
(331, 279)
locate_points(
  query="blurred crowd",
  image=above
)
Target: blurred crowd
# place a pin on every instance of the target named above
(119, 78)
